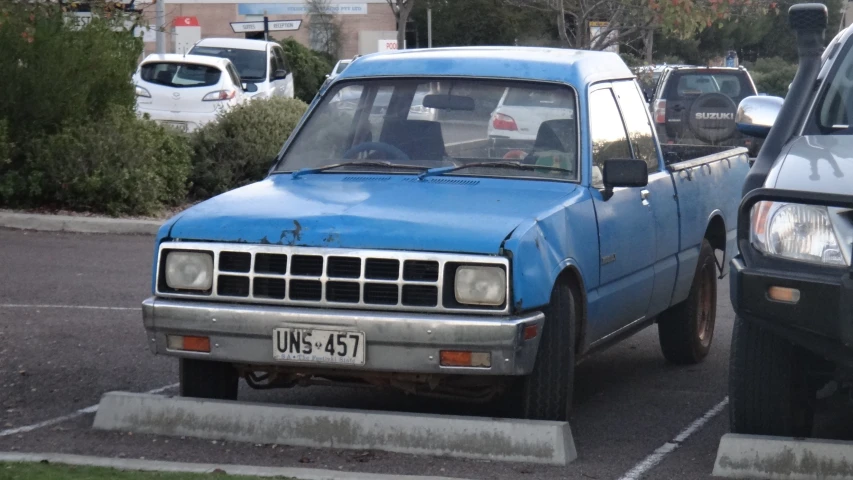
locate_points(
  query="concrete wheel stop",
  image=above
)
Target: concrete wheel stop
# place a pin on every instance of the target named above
(495, 439)
(782, 458)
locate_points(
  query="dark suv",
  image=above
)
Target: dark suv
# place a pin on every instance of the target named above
(697, 106)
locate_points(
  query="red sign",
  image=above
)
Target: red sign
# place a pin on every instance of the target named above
(186, 22)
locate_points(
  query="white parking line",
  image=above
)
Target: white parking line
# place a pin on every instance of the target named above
(79, 307)
(658, 455)
(70, 416)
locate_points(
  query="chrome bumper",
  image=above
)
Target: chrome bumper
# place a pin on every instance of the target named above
(396, 341)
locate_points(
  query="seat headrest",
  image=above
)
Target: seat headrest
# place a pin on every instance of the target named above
(556, 135)
(420, 139)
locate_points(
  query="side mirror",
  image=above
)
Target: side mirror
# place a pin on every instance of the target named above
(250, 87)
(280, 75)
(755, 115)
(623, 173)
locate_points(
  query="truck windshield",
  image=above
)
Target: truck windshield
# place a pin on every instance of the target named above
(441, 123)
(251, 64)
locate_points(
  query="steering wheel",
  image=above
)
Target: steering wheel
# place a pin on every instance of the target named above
(386, 148)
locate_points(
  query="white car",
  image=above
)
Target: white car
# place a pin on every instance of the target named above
(339, 67)
(514, 123)
(257, 61)
(346, 100)
(186, 91)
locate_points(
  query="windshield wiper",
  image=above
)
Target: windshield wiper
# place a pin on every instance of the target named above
(520, 166)
(399, 166)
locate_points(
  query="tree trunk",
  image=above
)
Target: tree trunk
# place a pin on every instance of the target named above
(648, 45)
(404, 8)
(561, 25)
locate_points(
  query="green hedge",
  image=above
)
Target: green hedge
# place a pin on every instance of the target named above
(52, 74)
(773, 75)
(240, 147)
(309, 68)
(117, 165)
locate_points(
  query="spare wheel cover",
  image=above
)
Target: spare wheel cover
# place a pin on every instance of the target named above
(712, 117)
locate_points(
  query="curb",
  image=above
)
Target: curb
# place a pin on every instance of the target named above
(782, 458)
(68, 223)
(179, 467)
(497, 439)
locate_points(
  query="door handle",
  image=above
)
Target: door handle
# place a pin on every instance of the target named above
(644, 194)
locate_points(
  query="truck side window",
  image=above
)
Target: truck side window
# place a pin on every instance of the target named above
(607, 132)
(637, 120)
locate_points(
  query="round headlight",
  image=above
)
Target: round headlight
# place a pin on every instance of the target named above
(189, 270)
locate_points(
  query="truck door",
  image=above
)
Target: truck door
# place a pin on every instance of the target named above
(659, 193)
(626, 232)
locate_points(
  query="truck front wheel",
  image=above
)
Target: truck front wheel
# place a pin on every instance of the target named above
(207, 379)
(546, 394)
(769, 388)
(687, 329)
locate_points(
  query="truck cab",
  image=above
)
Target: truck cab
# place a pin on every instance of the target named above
(792, 284)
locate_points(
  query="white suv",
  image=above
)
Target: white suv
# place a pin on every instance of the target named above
(259, 62)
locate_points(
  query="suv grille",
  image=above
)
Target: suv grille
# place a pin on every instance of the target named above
(377, 280)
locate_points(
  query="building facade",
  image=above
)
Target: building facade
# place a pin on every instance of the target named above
(365, 26)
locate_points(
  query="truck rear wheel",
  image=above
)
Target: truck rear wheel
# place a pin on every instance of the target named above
(769, 388)
(207, 379)
(686, 330)
(546, 394)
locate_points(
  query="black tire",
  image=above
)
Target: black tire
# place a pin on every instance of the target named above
(546, 394)
(207, 379)
(686, 330)
(769, 388)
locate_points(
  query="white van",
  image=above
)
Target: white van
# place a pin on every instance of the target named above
(259, 62)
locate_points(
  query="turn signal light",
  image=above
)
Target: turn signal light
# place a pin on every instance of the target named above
(531, 331)
(782, 294)
(188, 344)
(451, 358)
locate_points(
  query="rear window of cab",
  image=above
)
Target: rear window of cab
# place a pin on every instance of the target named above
(180, 75)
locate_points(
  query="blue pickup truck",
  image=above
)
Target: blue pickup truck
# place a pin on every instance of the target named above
(400, 243)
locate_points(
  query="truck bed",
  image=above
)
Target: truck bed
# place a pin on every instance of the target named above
(703, 177)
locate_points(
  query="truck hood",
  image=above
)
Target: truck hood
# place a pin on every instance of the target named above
(396, 212)
(817, 164)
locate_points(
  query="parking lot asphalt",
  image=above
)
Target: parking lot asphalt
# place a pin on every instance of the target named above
(71, 330)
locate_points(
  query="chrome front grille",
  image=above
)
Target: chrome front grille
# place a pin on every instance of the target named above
(336, 278)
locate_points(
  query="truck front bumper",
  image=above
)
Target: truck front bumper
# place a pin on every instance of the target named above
(399, 342)
(821, 319)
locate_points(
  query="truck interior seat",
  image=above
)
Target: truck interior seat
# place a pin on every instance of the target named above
(420, 139)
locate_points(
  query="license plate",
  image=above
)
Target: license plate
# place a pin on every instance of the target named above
(177, 125)
(318, 346)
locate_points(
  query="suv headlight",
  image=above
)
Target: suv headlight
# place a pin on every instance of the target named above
(480, 285)
(189, 270)
(796, 232)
